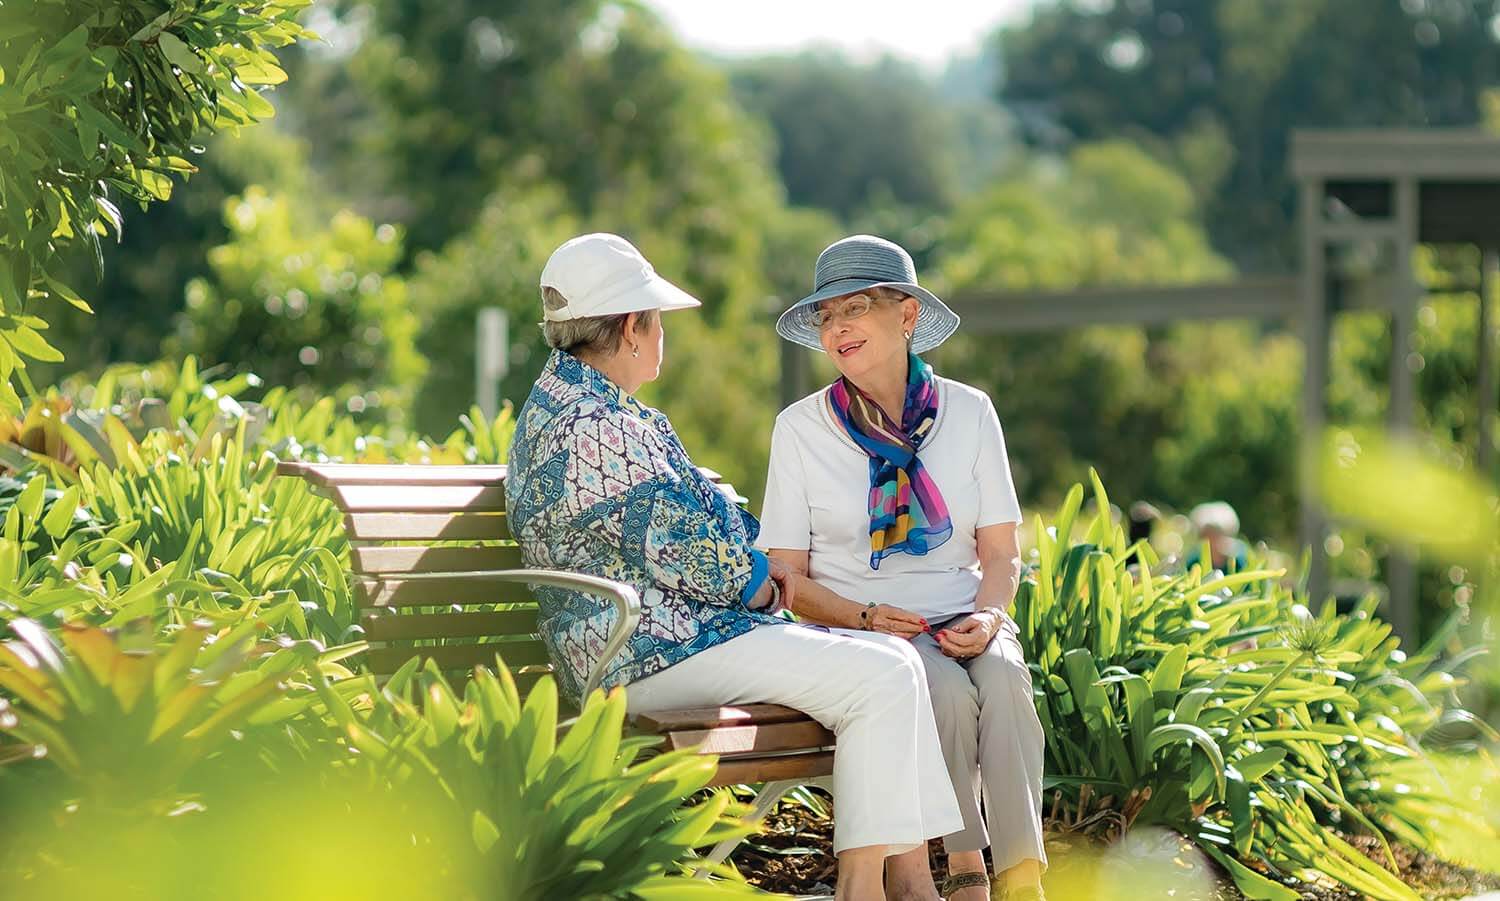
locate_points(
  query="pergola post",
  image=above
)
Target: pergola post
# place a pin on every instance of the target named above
(1401, 570)
(1489, 276)
(1314, 325)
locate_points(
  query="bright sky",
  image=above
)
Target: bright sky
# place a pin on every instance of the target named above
(927, 32)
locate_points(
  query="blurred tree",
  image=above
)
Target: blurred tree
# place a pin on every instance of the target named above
(643, 139)
(792, 243)
(1100, 396)
(442, 98)
(301, 302)
(1218, 85)
(1230, 429)
(846, 130)
(166, 246)
(494, 264)
(101, 100)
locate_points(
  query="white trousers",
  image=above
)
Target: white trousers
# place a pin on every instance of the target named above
(891, 787)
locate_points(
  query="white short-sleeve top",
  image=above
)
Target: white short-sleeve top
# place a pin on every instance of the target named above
(817, 494)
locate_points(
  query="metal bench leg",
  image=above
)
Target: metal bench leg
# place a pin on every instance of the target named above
(764, 802)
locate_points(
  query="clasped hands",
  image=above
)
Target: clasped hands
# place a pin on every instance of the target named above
(779, 590)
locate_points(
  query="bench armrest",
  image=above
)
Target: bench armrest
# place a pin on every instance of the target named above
(627, 604)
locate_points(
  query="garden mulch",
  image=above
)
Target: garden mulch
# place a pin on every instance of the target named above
(793, 855)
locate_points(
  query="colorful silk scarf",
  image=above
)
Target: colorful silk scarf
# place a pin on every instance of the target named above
(907, 512)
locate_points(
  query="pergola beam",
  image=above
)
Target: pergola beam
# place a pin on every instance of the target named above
(1378, 153)
(1031, 311)
(1259, 299)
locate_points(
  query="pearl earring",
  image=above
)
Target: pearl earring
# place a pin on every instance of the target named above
(907, 335)
(635, 352)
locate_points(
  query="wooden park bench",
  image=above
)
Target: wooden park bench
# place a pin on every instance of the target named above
(435, 575)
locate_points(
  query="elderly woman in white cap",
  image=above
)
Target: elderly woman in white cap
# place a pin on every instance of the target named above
(890, 489)
(600, 484)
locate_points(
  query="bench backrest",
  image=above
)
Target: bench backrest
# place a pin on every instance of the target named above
(422, 537)
(418, 592)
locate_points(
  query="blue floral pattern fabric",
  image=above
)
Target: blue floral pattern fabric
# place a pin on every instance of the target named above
(600, 484)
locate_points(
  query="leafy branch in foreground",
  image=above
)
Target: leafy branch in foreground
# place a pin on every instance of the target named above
(102, 99)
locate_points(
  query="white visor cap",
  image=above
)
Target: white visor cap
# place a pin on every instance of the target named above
(604, 275)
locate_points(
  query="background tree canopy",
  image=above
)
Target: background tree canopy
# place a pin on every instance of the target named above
(1216, 86)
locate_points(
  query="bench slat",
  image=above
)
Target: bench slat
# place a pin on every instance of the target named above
(461, 656)
(387, 560)
(735, 770)
(327, 475)
(439, 591)
(383, 625)
(753, 739)
(711, 717)
(386, 498)
(426, 526)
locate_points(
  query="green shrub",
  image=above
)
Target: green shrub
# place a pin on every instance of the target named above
(308, 306)
(1224, 709)
(176, 486)
(470, 795)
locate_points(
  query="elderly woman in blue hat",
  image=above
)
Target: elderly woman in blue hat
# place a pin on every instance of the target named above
(891, 491)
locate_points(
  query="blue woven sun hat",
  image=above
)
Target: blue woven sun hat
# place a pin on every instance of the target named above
(855, 264)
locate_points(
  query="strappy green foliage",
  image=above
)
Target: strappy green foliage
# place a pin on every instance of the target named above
(1222, 707)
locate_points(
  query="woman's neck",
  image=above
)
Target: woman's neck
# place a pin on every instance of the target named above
(614, 367)
(886, 386)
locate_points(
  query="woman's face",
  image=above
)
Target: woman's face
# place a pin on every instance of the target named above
(863, 334)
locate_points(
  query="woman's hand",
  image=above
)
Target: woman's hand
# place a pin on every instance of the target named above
(786, 579)
(895, 621)
(971, 635)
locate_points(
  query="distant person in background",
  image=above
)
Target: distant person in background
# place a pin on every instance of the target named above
(1218, 526)
(1142, 519)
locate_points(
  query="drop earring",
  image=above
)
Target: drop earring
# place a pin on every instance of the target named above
(635, 351)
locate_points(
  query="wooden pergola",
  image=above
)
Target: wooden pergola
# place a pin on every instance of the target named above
(1379, 191)
(1391, 190)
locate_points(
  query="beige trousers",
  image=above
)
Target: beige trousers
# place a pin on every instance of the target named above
(993, 744)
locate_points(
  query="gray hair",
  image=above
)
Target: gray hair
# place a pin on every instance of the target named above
(886, 292)
(894, 295)
(599, 335)
(1215, 515)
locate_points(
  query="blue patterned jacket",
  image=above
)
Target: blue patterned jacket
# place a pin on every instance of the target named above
(600, 484)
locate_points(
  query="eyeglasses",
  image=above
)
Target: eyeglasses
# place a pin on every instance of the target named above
(853, 307)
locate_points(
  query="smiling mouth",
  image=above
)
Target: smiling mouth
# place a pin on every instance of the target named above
(847, 349)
